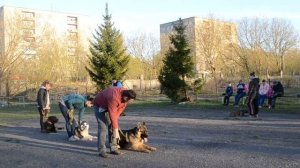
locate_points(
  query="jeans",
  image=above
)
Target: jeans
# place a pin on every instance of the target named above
(238, 98)
(70, 127)
(43, 117)
(261, 100)
(104, 128)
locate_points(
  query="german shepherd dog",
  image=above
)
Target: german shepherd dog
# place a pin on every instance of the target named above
(49, 124)
(135, 139)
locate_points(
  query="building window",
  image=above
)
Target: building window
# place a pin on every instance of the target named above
(28, 24)
(71, 51)
(72, 20)
(28, 33)
(72, 35)
(227, 31)
(26, 15)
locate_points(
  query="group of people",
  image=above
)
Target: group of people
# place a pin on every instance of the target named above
(255, 93)
(108, 106)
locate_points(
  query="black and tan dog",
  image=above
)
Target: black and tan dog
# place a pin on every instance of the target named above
(49, 124)
(135, 139)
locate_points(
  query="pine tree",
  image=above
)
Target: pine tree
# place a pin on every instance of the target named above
(108, 59)
(177, 65)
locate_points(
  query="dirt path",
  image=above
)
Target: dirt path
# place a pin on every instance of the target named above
(183, 138)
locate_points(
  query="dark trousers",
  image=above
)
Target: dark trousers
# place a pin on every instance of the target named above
(253, 106)
(226, 100)
(43, 117)
(70, 125)
(279, 94)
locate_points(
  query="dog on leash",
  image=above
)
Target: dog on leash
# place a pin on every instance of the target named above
(135, 139)
(238, 113)
(82, 132)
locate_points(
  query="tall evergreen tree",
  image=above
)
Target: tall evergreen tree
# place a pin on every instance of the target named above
(108, 59)
(177, 65)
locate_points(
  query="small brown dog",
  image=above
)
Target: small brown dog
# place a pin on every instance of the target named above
(238, 113)
(135, 139)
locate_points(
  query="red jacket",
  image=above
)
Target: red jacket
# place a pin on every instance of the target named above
(110, 99)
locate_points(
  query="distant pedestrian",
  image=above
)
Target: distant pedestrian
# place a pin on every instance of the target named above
(253, 94)
(240, 92)
(263, 90)
(228, 94)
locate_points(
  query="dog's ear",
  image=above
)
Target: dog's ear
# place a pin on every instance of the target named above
(138, 124)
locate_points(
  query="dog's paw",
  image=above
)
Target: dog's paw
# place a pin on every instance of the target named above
(153, 149)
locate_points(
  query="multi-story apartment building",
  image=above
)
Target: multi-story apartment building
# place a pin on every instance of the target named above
(194, 29)
(27, 27)
(73, 27)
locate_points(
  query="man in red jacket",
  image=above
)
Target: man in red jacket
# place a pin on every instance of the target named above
(108, 105)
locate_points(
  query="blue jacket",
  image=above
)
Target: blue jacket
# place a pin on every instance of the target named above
(229, 91)
(75, 101)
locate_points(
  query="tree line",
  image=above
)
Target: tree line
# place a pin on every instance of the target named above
(266, 46)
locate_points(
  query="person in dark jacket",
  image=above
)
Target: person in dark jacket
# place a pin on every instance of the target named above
(228, 94)
(43, 102)
(67, 105)
(253, 95)
(240, 92)
(278, 92)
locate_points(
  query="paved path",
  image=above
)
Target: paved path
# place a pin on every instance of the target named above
(192, 139)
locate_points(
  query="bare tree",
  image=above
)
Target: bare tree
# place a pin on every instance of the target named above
(15, 48)
(282, 37)
(144, 47)
(212, 44)
(263, 44)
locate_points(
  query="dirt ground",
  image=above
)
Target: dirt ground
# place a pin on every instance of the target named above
(191, 138)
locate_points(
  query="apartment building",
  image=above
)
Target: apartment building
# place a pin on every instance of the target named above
(74, 28)
(21, 29)
(194, 27)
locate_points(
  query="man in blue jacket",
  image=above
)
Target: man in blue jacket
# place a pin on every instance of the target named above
(67, 106)
(228, 94)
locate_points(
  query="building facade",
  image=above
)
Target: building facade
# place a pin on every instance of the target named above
(196, 29)
(22, 29)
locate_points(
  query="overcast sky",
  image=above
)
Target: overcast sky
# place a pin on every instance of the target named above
(145, 15)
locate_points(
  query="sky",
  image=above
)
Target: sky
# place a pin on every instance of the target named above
(145, 16)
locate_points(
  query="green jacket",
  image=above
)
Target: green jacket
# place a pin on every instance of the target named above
(75, 101)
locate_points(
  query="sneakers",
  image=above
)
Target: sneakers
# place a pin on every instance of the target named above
(103, 154)
(116, 152)
(74, 138)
